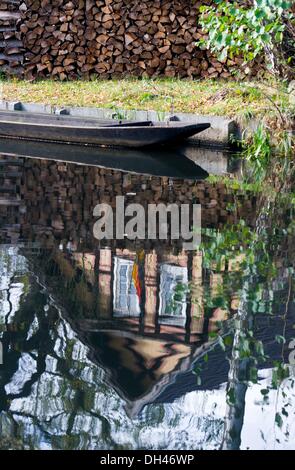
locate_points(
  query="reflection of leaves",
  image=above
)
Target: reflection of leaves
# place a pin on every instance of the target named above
(279, 420)
(228, 341)
(178, 298)
(217, 302)
(231, 396)
(285, 412)
(253, 375)
(239, 252)
(212, 334)
(221, 343)
(279, 374)
(280, 339)
(259, 349)
(221, 247)
(197, 371)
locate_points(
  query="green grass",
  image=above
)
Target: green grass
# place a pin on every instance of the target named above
(219, 97)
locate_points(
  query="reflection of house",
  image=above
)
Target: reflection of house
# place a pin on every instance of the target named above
(154, 300)
(135, 315)
(146, 330)
(160, 295)
(172, 289)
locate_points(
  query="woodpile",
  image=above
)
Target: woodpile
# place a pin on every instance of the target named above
(53, 33)
(65, 39)
(11, 46)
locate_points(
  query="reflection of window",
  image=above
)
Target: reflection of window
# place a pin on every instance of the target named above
(173, 284)
(126, 302)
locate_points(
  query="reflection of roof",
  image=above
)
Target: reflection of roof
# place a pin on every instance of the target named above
(159, 368)
(138, 367)
(214, 371)
(173, 375)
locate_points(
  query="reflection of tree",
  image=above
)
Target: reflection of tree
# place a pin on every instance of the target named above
(244, 361)
(262, 250)
(36, 330)
(236, 386)
(15, 343)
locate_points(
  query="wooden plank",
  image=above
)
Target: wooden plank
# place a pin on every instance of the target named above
(10, 174)
(11, 70)
(11, 2)
(60, 119)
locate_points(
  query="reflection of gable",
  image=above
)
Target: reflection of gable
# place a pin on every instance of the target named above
(162, 356)
(146, 365)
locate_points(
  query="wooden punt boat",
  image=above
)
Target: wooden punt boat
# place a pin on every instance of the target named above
(71, 129)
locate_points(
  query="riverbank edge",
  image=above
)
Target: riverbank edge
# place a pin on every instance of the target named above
(223, 131)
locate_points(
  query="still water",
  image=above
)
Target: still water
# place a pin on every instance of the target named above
(129, 344)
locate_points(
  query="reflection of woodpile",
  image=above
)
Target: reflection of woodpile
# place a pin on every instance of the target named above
(10, 201)
(60, 198)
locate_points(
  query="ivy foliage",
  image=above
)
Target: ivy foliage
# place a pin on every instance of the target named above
(245, 29)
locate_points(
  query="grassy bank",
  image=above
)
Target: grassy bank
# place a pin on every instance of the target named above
(226, 98)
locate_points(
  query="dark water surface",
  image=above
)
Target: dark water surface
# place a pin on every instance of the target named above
(113, 345)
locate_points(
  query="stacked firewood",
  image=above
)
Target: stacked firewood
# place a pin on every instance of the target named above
(11, 47)
(65, 39)
(53, 33)
(114, 38)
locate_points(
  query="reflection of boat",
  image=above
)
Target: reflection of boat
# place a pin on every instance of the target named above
(69, 129)
(152, 162)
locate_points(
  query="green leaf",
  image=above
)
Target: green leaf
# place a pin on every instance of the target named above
(280, 339)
